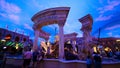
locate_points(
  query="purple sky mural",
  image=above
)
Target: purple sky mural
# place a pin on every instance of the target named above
(16, 14)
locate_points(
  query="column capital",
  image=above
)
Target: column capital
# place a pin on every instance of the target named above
(61, 23)
(87, 18)
(36, 27)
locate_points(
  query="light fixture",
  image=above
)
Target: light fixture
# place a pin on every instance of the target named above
(4, 47)
(118, 40)
(16, 46)
(3, 40)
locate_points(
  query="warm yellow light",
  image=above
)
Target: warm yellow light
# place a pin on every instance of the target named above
(7, 37)
(68, 42)
(107, 49)
(16, 46)
(3, 40)
(95, 50)
(118, 40)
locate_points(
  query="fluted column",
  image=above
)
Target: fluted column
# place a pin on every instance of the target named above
(35, 44)
(61, 41)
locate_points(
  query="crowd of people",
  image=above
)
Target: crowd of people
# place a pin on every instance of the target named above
(31, 57)
(95, 59)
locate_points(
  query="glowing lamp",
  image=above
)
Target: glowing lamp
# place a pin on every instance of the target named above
(7, 37)
(16, 46)
(118, 40)
(106, 49)
(3, 40)
(4, 47)
(69, 42)
(95, 50)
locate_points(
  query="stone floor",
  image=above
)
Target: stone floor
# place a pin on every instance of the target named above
(12, 66)
(17, 63)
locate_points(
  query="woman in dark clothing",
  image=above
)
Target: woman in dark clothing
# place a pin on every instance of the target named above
(27, 55)
(97, 61)
(89, 62)
(34, 58)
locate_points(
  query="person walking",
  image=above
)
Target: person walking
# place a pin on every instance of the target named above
(35, 58)
(89, 62)
(97, 61)
(27, 56)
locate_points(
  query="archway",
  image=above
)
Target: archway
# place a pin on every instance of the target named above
(56, 15)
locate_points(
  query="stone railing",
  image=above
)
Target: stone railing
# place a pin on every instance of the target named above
(56, 63)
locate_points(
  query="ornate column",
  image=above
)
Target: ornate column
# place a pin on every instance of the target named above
(86, 22)
(61, 41)
(35, 43)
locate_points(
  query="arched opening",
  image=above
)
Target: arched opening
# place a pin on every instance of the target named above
(17, 39)
(8, 37)
(24, 39)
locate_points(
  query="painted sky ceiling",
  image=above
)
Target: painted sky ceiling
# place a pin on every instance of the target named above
(17, 16)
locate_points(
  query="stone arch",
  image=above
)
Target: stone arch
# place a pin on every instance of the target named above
(57, 15)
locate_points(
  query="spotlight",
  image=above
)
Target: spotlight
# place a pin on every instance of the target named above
(4, 47)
